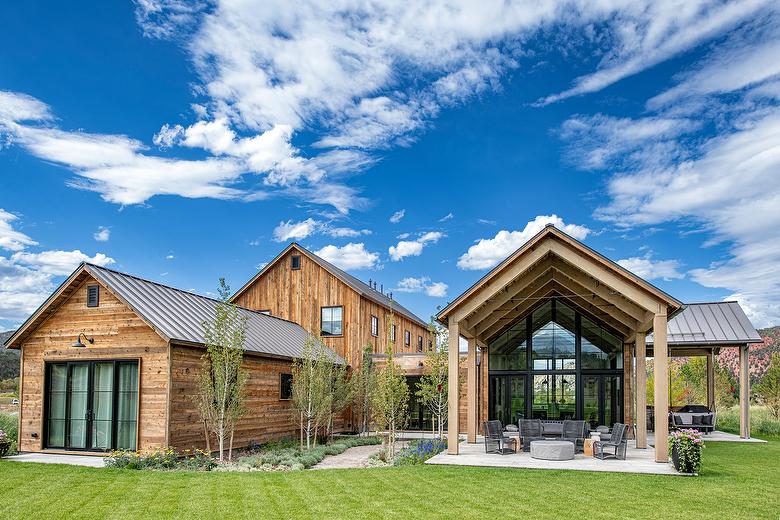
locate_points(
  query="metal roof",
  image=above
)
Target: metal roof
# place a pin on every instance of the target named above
(715, 323)
(356, 284)
(179, 315)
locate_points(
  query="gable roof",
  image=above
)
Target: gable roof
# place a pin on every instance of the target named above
(550, 231)
(354, 283)
(178, 316)
(711, 323)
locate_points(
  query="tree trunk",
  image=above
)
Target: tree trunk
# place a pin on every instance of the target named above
(230, 446)
(208, 440)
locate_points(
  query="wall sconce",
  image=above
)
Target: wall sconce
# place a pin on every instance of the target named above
(420, 364)
(79, 344)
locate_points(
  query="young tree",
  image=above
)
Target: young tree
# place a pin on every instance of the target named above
(768, 389)
(341, 393)
(363, 383)
(391, 398)
(311, 390)
(432, 388)
(222, 381)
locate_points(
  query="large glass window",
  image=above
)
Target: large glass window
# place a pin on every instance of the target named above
(553, 343)
(600, 349)
(331, 321)
(508, 351)
(555, 396)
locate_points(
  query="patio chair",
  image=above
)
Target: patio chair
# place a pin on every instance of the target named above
(575, 432)
(495, 441)
(530, 430)
(615, 447)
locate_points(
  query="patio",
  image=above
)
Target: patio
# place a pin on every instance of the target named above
(637, 460)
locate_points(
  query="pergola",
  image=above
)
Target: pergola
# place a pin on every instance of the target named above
(553, 264)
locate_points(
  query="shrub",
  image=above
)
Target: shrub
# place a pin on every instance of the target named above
(9, 424)
(762, 423)
(160, 459)
(418, 452)
(688, 445)
(275, 457)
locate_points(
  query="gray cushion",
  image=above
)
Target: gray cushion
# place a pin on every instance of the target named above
(552, 450)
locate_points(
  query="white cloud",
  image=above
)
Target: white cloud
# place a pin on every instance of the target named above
(170, 256)
(396, 217)
(345, 232)
(11, 239)
(295, 230)
(58, 263)
(448, 216)
(650, 269)
(350, 256)
(27, 279)
(406, 248)
(102, 234)
(488, 252)
(422, 285)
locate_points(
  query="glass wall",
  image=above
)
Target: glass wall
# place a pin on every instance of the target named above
(556, 364)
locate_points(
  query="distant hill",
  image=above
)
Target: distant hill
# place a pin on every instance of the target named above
(760, 354)
(9, 359)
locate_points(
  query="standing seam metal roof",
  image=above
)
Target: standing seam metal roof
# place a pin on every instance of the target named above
(179, 315)
(715, 323)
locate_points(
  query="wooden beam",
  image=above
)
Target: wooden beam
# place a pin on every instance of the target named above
(508, 293)
(641, 391)
(471, 391)
(453, 412)
(606, 293)
(521, 310)
(500, 315)
(744, 391)
(661, 383)
(628, 416)
(711, 379)
(602, 305)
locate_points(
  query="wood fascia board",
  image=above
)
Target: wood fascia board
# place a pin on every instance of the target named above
(530, 289)
(262, 271)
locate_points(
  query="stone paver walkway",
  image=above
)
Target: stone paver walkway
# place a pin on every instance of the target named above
(352, 458)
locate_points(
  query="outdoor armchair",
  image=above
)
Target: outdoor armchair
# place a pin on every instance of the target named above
(495, 441)
(615, 447)
(530, 430)
(574, 431)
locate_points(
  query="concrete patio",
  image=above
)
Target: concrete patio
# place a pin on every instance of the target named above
(58, 458)
(637, 460)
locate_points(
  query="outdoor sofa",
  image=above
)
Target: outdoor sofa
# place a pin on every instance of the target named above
(696, 417)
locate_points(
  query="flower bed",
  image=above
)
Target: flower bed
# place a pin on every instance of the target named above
(292, 459)
(161, 459)
(419, 451)
(685, 450)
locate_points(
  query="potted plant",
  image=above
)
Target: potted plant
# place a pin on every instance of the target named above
(685, 449)
(5, 443)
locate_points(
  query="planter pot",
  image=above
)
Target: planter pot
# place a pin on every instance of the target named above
(676, 457)
(4, 447)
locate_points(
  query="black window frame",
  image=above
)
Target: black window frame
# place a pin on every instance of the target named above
(407, 338)
(295, 262)
(96, 302)
(285, 379)
(374, 325)
(393, 335)
(419, 343)
(330, 334)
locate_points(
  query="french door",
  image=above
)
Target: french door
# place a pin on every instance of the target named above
(507, 398)
(91, 405)
(602, 399)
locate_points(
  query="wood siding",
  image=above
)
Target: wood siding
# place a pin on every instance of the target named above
(119, 334)
(298, 295)
(267, 417)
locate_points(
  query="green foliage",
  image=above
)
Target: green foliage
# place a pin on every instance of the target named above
(419, 451)
(9, 425)
(762, 422)
(312, 390)
(363, 384)
(432, 390)
(287, 458)
(9, 360)
(391, 398)
(341, 391)
(161, 459)
(768, 389)
(222, 381)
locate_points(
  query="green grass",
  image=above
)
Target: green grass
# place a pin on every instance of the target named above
(762, 422)
(737, 481)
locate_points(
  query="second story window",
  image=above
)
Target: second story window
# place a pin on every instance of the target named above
(430, 345)
(374, 326)
(392, 333)
(295, 262)
(419, 344)
(93, 295)
(331, 321)
(407, 338)
(285, 387)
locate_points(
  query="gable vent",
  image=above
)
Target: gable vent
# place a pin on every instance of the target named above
(93, 295)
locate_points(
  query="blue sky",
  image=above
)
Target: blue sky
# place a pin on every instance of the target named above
(187, 141)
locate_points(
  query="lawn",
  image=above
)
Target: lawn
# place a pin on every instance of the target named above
(737, 481)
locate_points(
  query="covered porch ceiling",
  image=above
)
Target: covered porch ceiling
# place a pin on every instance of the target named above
(552, 264)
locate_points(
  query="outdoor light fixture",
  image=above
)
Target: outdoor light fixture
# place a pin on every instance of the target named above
(79, 344)
(420, 364)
